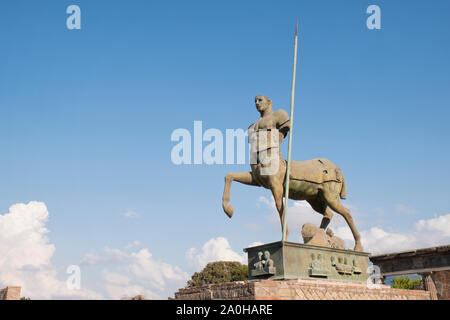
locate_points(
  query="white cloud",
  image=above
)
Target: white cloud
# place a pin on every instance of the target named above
(26, 255)
(91, 259)
(439, 226)
(26, 261)
(23, 240)
(130, 274)
(115, 278)
(376, 240)
(156, 274)
(425, 233)
(215, 249)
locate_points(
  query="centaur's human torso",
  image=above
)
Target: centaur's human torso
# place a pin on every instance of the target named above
(265, 137)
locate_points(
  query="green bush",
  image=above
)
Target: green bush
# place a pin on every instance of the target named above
(218, 272)
(405, 283)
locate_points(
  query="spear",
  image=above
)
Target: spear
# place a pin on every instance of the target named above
(288, 169)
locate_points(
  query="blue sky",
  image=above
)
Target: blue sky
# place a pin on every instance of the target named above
(86, 115)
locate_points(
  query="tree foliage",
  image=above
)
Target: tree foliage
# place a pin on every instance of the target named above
(405, 283)
(218, 272)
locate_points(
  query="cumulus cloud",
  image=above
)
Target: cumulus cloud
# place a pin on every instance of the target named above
(23, 240)
(438, 227)
(425, 233)
(27, 251)
(376, 240)
(116, 278)
(215, 249)
(130, 274)
(161, 273)
(26, 255)
(26, 261)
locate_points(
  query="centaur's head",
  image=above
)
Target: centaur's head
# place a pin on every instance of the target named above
(263, 104)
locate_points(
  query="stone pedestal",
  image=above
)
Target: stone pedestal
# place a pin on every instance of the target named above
(299, 289)
(294, 271)
(291, 260)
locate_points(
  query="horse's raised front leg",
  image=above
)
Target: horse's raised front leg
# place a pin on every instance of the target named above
(242, 177)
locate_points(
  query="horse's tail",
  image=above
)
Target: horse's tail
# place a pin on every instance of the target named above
(344, 187)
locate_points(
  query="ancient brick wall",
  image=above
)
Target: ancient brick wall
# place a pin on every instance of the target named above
(10, 293)
(240, 290)
(299, 289)
(442, 282)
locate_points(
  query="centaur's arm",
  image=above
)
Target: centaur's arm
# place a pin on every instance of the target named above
(283, 123)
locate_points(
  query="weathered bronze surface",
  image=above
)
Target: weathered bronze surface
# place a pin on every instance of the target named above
(318, 181)
(290, 260)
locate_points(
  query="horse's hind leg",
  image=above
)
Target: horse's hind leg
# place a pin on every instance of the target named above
(334, 203)
(242, 177)
(321, 207)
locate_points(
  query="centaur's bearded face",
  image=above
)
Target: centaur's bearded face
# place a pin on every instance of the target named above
(263, 103)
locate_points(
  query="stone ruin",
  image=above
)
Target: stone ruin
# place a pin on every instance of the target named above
(10, 293)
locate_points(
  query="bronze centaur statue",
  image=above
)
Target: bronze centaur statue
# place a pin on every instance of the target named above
(318, 181)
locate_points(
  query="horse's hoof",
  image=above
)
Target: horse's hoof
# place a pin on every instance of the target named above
(229, 210)
(358, 247)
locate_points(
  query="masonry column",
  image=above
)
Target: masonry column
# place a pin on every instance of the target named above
(442, 282)
(429, 285)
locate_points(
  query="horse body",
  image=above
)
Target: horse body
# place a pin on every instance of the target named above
(318, 181)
